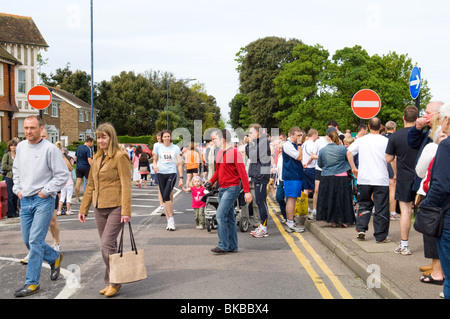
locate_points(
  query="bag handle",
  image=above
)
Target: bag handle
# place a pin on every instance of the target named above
(133, 242)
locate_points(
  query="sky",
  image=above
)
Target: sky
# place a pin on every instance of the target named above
(200, 38)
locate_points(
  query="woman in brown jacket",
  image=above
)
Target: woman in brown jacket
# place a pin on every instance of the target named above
(109, 191)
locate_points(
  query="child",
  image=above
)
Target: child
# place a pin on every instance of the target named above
(197, 193)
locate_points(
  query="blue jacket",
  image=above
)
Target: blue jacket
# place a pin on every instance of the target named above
(333, 160)
(439, 192)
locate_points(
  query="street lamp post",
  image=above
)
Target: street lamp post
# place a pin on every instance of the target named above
(183, 80)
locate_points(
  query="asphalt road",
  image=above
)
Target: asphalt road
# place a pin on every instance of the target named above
(180, 264)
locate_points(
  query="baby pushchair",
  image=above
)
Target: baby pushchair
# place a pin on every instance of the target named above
(240, 211)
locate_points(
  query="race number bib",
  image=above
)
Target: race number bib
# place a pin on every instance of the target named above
(167, 157)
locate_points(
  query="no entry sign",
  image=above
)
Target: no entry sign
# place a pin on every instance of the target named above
(366, 104)
(39, 97)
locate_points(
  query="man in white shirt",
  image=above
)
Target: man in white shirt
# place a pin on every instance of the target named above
(373, 179)
(310, 153)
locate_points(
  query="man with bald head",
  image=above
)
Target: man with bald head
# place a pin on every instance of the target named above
(418, 137)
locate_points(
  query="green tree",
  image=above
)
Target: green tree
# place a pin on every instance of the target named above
(258, 65)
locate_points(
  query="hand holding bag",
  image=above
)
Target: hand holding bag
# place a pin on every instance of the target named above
(129, 266)
(429, 220)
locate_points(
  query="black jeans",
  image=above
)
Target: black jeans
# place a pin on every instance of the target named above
(261, 201)
(12, 198)
(381, 216)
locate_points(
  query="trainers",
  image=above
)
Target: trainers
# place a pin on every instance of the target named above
(69, 212)
(295, 228)
(161, 210)
(27, 290)
(25, 259)
(170, 225)
(361, 235)
(384, 241)
(56, 247)
(402, 250)
(58, 213)
(56, 267)
(395, 216)
(260, 232)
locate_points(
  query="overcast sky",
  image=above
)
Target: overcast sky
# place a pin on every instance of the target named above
(199, 38)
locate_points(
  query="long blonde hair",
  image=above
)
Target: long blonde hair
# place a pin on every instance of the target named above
(113, 148)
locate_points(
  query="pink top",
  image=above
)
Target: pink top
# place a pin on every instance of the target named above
(197, 194)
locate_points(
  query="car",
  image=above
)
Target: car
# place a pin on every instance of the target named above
(145, 147)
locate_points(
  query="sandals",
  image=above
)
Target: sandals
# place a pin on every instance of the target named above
(431, 280)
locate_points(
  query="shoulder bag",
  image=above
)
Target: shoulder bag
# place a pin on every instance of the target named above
(430, 220)
(127, 266)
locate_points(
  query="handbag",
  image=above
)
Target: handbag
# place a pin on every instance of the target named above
(429, 220)
(129, 266)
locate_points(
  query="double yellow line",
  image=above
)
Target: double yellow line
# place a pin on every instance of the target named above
(321, 287)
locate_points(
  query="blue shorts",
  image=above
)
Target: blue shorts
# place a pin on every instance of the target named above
(293, 189)
(309, 176)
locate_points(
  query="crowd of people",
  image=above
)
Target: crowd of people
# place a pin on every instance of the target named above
(380, 171)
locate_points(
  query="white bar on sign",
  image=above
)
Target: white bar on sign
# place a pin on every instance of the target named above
(366, 104)
(39, 97)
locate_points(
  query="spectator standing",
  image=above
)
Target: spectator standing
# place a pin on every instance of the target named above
(230, 173)
(292, 176)
(397, 148)
(83, 158)
(192, 163)
(309, 152)
(373, 180)
(7, 166)
(391, 127)
(109, 191)
(335, 204)
(438, 194)
(36, 184)
(259, 156)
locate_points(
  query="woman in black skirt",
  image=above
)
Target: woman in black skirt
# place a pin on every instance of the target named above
(334, 203)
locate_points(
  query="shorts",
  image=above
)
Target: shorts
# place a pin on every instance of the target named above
(318, 174)
(404, 191)
(192, 171)
(309, 175)
(83, 172)
(166, 183)
(293, 189)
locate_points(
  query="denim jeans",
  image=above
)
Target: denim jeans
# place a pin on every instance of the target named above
(443, 244)
(226, 221)
(35, 216)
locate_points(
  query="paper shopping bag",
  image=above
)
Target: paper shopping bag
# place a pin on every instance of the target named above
(129, 266)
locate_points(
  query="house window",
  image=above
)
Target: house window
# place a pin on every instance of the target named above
(81, 117)
(54, 109)
(81, 137)
(46, 110)
(21, 84)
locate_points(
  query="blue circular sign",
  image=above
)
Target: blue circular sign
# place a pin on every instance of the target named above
(415, 80)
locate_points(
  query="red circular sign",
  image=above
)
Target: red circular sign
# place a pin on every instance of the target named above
(366, 104)
(39, 97)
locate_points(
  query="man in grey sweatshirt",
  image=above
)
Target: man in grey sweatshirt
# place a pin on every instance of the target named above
(39, 173)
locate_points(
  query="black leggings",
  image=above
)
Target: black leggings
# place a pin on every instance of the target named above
(166, 183)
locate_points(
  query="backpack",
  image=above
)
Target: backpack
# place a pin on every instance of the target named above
(143, 158)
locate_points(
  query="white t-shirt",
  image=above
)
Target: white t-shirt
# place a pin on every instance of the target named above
(320, 143)
(308, 148)
(372, 168)
(167, 158)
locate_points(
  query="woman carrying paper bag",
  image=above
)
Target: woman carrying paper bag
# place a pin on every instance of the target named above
(109, 191)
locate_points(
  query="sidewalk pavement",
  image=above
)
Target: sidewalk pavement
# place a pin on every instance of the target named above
(399, 275)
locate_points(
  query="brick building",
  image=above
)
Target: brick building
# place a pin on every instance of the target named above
(68, 118)
(20, 43)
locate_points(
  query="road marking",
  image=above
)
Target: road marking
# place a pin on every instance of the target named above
(66, 292)
(307, 265)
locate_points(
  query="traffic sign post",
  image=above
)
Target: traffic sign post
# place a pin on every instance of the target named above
(39, 97)
(415, 80)
(366, 104)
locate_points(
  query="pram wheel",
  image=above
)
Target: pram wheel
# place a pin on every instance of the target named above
(208, 223)
(244, 224)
